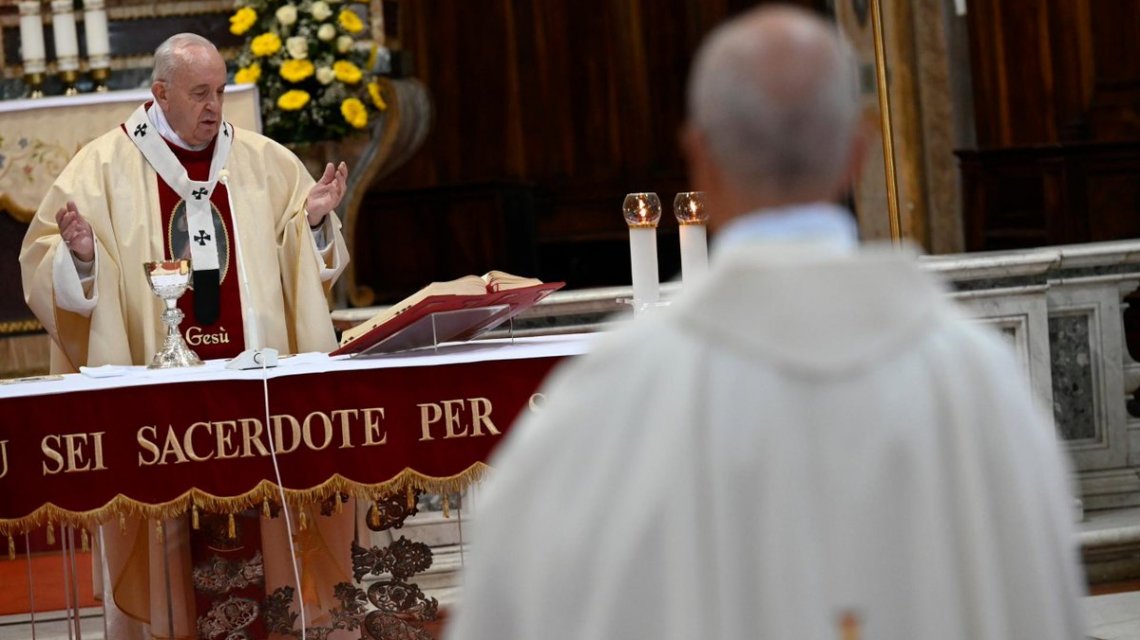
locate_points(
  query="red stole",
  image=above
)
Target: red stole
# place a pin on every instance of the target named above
(225, 338)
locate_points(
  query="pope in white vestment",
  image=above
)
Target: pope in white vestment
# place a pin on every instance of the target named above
(812, 442)
(101, 310)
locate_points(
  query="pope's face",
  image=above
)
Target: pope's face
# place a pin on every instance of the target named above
(192, 97)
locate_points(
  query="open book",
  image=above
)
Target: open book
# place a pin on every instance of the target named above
(473, 304)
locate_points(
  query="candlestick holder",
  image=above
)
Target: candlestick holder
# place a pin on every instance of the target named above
(69, 78)
(35, 82)
(692, 216)
(642, 211)
(100, 76)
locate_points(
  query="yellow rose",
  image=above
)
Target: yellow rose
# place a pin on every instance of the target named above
(377, 99)
(293, 100)
(248, 75)
(265, 44)
(350, 21)
(354, 113)
(296, 70)
(347, 72)
(242, 20)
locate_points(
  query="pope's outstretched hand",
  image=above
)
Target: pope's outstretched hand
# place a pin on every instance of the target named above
(76, 233)
(326, 194)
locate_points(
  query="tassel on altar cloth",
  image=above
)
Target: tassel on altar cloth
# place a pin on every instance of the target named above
(194, 516)
(85, 542)
(158, 530)
(50, 534)
(231, 529)
(411, 498)
(303, 519)
(446, 507)
(376, 514)
(265, 508)
(11, 547)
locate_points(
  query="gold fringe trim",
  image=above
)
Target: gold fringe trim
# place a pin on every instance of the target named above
(339, 504)
(375, 514)
(411, 497)
(11, 547)
(231, 528)
(158, 531)
(122, 507)
(20, 326)
(50, 535)
(85, 542)
(303, 520)
(446, 506)
(265, 508)
(194, 517)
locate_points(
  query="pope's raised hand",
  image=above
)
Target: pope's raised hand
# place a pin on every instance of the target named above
(76, 233)
(326, 194)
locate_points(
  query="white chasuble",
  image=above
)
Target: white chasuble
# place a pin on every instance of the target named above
(806, 445)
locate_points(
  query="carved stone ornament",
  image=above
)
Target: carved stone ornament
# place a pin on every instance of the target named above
(228, 619)
(218, 575)
(400, 609)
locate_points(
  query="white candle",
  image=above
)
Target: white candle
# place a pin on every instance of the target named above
(643, 263)
(98, 36)
(689, 209)
(63, 33)
(32, 37)
(694, 251)
(641, 212)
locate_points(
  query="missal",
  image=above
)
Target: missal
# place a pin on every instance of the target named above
(464, 308)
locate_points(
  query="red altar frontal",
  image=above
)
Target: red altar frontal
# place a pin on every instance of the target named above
(82, 450)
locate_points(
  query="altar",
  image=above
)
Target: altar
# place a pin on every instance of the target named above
(112, 443)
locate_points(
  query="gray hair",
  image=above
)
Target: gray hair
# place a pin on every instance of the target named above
(168, 57)
(775, 95)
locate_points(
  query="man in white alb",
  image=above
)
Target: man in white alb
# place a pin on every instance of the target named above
(176, 180)
(812, 442)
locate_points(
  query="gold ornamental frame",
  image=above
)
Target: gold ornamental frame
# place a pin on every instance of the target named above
(885, 121)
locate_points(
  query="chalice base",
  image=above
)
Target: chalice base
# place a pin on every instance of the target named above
(175, 353)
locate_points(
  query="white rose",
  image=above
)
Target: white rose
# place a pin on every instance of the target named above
(287, 15)
(320, 10)
(298, 47)
(343, 44)
(325, 75)
(326, 32)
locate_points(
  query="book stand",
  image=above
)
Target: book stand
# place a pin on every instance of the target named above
(435, 329)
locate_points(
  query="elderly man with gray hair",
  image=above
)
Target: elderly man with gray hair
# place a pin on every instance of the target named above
(177, 181)
(812, 442)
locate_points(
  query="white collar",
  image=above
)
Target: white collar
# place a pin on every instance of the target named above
(158, 117)
(816, 222)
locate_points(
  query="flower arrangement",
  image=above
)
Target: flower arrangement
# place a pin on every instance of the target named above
(311, 72)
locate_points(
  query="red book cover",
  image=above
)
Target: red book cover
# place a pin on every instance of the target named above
(486, 311)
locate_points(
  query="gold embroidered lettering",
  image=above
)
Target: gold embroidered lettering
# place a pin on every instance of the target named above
(430, 413)
(224, 432)
(52, 453)
(251, 429)
(307, 431)
(172, 447)
(451, 411)
(188, 442)
(148, 445)
(193, 336)
(279, 433)
(345, 416)
(98, 436)
(372, 418)
(481, 415)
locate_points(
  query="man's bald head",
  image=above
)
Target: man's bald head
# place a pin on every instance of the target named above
(773, 97)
